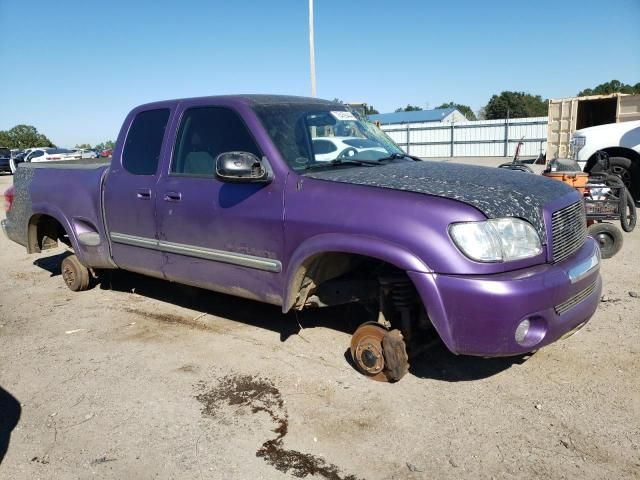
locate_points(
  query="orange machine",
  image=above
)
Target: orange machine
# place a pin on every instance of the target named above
(577, 180)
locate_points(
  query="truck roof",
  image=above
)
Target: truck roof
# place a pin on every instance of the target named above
(245, 99)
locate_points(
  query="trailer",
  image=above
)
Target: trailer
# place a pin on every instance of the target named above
(566, 115)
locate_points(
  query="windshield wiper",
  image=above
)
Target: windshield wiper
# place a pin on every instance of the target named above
(340, 161)
(397, 156)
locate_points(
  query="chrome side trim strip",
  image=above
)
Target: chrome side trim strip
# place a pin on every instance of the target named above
(135, 241)
(250, 261)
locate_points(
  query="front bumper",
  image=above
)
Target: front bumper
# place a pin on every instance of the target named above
(479, 314)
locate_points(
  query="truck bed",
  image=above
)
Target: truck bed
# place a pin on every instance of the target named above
(69, 192)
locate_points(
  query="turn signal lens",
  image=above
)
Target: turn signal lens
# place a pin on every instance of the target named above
(9, 195)
(522, 330)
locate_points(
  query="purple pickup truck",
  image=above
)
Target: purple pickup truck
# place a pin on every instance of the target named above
(299, 203)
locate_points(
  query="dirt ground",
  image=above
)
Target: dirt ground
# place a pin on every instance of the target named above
(139, 378)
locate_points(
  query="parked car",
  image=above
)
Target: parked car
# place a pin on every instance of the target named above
(85, 152)
(50, 155)
(621, 141)
(330, 148)
(5, 160)
(106, 153)
(16, 159)
(234, 199)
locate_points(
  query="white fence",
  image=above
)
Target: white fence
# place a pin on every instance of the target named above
(482, 138)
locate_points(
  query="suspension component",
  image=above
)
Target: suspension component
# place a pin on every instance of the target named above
(398, 295)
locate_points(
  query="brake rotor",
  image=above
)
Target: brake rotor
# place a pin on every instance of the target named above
(367, 352)
(378, 353)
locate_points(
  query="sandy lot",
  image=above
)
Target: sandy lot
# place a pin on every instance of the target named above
(139, 378)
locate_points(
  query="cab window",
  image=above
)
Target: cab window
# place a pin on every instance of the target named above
(205, 133)
(142, 147)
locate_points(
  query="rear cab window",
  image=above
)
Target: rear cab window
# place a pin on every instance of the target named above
(141, 153)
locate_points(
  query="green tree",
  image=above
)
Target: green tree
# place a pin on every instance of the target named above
(5, 139)
(105, 145)
(463, 109)
(614, 86)
(83, 145)
(515, 105)
(24, 136)
(409, 108)
(369, 110)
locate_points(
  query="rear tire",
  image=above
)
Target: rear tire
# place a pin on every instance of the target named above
(629, 214)
(75, 275)
(608, 236)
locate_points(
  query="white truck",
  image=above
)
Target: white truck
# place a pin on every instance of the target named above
(621, 141)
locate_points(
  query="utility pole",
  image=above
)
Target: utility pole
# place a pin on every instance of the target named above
(312, 56)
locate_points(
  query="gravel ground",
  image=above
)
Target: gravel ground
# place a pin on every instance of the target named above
(139, 378)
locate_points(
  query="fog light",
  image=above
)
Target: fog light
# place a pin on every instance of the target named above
(522, 330)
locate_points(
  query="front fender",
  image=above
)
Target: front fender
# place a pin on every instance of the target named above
(339, 243)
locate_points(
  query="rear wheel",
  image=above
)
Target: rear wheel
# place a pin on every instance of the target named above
(75, 275)
(608, 236)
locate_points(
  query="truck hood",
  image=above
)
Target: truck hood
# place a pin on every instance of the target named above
(495, 192)
(609, 129)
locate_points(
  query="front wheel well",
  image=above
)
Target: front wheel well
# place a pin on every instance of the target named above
(325, 267)
(44, 232)
(613, 152)
(386, 292)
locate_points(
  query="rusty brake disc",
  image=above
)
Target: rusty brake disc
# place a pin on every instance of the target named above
(378, 353)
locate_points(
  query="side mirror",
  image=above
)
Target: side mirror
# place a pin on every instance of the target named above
(241, 167)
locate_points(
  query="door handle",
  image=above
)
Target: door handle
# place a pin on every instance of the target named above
(172, 196)
(144, 193)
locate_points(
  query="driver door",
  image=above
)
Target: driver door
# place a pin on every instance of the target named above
(223, 236)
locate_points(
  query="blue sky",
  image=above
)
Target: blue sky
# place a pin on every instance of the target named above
(75, 68)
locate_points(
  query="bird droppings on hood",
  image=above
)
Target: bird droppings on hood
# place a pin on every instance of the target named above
(495, 192)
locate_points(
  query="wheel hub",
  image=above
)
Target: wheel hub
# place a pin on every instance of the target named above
(604, 240)
(369, 358)
(68, 275)
(623, 173)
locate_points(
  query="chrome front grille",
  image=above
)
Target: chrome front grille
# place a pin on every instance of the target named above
(576, 299)
(569, 230)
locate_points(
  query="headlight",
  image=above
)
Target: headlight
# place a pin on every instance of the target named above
(496, 240)
(576, 145)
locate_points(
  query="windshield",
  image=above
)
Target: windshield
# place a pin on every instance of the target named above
(310, 136)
